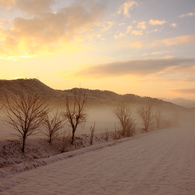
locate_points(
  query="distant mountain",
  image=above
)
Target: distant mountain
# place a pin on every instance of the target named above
(100, 104)
(95, 97)
(184, 102)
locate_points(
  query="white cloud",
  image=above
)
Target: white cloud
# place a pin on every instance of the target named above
(126, 7)
(156, 22)
(190, 14)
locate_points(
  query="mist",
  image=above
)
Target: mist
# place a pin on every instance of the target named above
(103, 118)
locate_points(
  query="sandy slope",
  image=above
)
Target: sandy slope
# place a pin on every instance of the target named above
(161, 162)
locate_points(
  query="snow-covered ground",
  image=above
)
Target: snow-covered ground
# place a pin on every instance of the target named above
(161, 162)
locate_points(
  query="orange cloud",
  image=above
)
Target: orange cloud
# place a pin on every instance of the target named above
(185, 91)
(137, 32)
(126, 7)
(142, 25)
(156, 53)
(119, 35)
(28, 6)
(141, 68)
(160, 52)
(157, 22)
(34, 6)
(174, 25)
(190, 14)
(129, 29)
(107, 25)
(50, 32)
(179, 40)
(137, 45)
(7, 3)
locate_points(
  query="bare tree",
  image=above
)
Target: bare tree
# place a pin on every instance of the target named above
(145, 114)
(92, 131)
(53, 122)
(25, 112)
(158, 118)
(75, 111)
(126, 122)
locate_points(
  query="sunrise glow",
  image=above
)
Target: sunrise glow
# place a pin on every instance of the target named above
(126, 46)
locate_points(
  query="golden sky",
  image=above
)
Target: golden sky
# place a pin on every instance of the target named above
(143, 47)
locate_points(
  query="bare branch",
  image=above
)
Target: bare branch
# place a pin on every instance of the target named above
(126, 122)
(53, 122)
(75, 110)
(25, 113)
(145, 114)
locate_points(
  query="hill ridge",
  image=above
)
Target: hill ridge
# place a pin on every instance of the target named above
(94, 95)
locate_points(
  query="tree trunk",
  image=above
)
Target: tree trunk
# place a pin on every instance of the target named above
(23, 144)
(73, 133)
(50, 139)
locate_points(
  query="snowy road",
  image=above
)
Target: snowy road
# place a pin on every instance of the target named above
(160, 163)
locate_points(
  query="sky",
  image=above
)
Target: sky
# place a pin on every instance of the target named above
(142, 47)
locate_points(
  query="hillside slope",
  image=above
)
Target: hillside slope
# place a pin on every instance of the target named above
(100, 104)
(161, 162)
(12, 86)
(94, 96)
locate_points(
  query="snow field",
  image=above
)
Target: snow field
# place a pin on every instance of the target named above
(161, 162)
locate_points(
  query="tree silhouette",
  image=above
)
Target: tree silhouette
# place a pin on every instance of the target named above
(25, 112)
(53, 122)
(145, 114)
(75, 110)
(127, 124)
